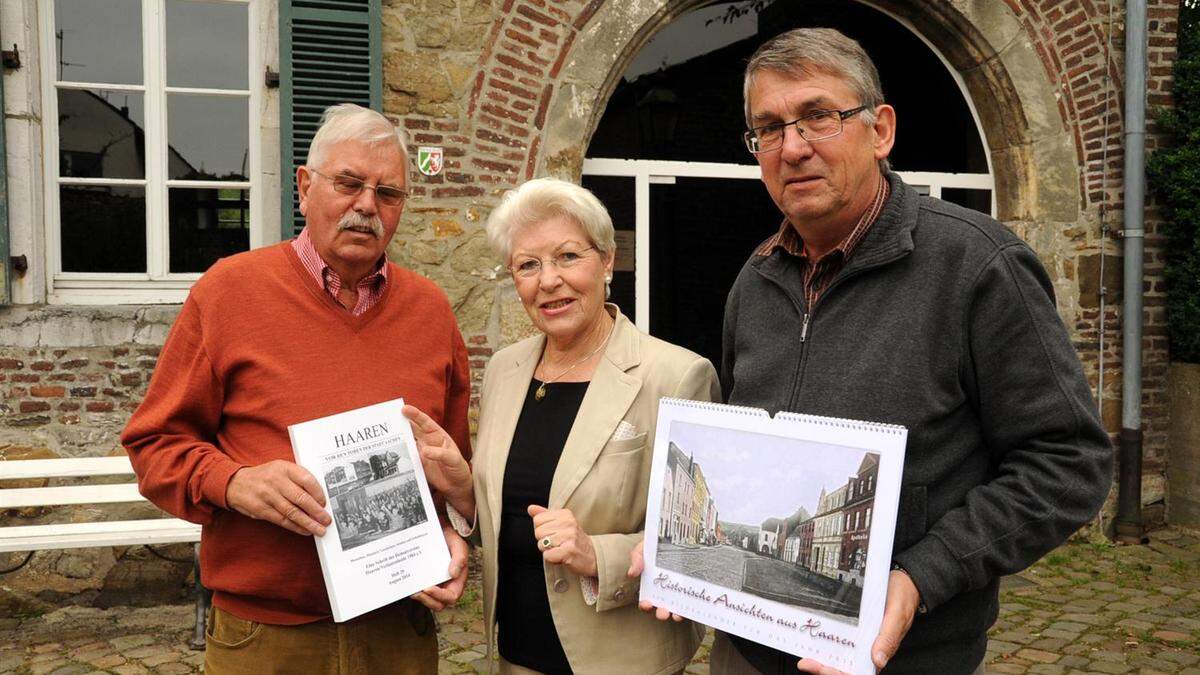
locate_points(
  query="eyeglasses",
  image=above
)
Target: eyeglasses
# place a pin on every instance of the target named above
(815, 126)
(349, 185)
(529, 266)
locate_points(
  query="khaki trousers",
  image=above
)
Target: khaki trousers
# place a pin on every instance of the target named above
(400, 638)
(725, 659)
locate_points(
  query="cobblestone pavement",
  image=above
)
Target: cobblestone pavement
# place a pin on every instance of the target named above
(1085, 608)
(721, 565)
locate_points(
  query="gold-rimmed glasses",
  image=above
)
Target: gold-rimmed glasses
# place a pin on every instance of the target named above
(350, 185)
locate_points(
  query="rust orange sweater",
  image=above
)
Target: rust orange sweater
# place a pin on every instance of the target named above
(257, 347)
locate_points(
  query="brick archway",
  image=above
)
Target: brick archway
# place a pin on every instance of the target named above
(1039, 100)
(1040, 78)
(1038, 73)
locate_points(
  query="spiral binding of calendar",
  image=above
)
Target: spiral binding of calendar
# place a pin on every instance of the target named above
(837, 422)
(708, 405)
(843, 423)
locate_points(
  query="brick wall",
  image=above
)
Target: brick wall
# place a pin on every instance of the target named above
(1081, 46)
(92, 389)
(70, 377)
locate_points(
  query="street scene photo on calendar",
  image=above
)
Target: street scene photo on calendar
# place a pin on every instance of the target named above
(373, 495)
(779, 518)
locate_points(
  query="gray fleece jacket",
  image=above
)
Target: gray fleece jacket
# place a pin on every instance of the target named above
(942, 321)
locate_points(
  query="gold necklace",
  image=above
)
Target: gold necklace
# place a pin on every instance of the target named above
(541, 390)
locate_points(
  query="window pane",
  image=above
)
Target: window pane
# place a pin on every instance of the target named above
(206, 225)
(103, 228)
(100, 134)
(209, 137)
(980, 200)
(207, 44)
(99, 40)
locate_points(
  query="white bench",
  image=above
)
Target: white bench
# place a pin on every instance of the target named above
(31, 538)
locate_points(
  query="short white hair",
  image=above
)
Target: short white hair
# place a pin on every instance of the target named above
(350, 122)
(542, 199)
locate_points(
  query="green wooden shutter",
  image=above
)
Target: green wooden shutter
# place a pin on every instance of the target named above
(329, 52)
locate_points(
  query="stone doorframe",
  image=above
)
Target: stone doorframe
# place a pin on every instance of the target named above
(1026, 85)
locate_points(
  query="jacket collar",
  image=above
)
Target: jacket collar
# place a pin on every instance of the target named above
(889, 239)
(612, 390)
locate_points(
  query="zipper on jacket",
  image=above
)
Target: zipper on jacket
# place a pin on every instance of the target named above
(806, 318)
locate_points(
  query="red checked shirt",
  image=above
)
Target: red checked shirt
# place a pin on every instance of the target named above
(819, 274)
(370, 287)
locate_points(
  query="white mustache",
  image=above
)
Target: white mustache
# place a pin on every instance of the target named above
(356, 219)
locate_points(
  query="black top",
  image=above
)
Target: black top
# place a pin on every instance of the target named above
(521, 603)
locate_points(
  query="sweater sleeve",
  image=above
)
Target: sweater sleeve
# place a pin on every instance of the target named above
(1040, 425)
(171, 438)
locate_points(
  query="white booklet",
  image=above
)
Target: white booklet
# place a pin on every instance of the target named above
(385, 542)
(778, 530)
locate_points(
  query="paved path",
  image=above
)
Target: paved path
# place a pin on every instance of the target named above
(1082, 609)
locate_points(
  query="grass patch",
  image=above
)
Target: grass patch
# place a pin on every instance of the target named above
(1056, 559)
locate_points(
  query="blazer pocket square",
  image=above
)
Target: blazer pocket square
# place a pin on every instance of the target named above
(624, 431)
(625, 446)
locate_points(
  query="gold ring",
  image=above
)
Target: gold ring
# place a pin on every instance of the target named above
(547, 543)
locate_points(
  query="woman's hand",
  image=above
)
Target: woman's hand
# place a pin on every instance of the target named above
(562, 541)
(636, 566)
(445, 468)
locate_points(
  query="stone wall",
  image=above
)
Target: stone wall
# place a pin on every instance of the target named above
(72, 376)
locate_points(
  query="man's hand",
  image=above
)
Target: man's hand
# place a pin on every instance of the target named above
(903, 598)
(445, 467)
(568, 545)
(279, 492)
(636, 566)
(448, 592)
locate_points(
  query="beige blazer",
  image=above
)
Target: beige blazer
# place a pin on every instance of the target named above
(604, 482)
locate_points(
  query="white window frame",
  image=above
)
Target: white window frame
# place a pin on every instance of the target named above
(157, 284)
(647, 172)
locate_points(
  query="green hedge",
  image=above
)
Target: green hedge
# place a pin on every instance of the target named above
(1174, 175)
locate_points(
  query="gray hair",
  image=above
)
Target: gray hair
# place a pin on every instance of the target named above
(350, 122)
(541, 199)
(803, 51)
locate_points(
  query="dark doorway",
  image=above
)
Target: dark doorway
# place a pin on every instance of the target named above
(681, 100)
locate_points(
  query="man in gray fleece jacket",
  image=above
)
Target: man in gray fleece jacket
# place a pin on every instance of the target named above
(873, 302)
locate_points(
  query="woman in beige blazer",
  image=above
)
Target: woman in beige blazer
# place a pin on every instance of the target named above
(561, 471)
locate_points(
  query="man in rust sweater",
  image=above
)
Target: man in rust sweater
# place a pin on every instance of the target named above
(284, 334)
